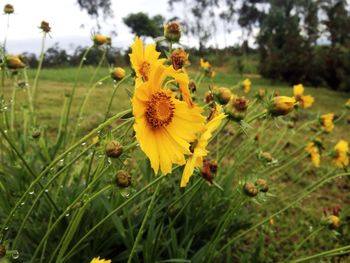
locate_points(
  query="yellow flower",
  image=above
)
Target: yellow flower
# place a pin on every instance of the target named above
(341, 154)
(246, 84)
(100, 39)
(164, 125)
(198, 148)
(98, 260)
(282, 105)
(312, 149)
(298, 90)
(204, 64)
(306, 101)
(142, 59)
(327, 122)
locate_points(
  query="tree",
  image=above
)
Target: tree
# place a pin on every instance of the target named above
(96, 7)
(143, 25)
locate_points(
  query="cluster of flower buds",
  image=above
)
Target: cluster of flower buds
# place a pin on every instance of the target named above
(252, 189)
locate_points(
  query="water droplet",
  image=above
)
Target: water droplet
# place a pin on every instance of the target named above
(6, 228)
(15, 254)
(83, 143)
(84, 59)
(23, 203)
(31, 193)
(67, 214)
(46, 190)
(100, 83)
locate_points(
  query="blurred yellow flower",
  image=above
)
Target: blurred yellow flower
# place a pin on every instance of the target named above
(246, 85)
(142, 59)
(298, 90)
(164, 125)
(327, 122)
(341, 158)
(282, 105)
(100, 39)
(312, 149)
(306, 101)
(204, 64)
(198, 148)
(100, 260)
(118, 73)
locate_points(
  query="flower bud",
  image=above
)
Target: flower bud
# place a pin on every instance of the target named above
(14, 62)
(208, 97)
(114, 149)
(223, 95)
(282, 105)
(209, 170)
(266, 156)
(8, 9)
(262, 185)
(100, 40)
(250, 189)
(192, 86)
(36, 134)
(118, 73)
(332, 221)
(2, 251)
(172, 31)
(178, 58)
(236, 108)
(44, 26)
(123, 179)
(261, 94)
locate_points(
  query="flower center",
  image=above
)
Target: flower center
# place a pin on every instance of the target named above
(144, 70)
(160, 110)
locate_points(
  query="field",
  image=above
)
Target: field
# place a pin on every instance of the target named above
(162, 161)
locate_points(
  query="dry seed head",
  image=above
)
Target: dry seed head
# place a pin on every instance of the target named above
(172, 31)
(8, 9)
(114, 149)
(208, 97)
(123, 179)
(118, 73)
(250, 189)
(44, 26)
(262, 185)
(178, 58)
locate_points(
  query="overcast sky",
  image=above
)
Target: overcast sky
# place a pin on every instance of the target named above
(66, 20)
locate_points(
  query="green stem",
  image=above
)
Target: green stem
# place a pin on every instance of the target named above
(13, 104)
(143, 224)
(301, 243)
(302, 195)
(102, 221)
(113, 94)
(41, 59)
(334, 252)
(56, 160)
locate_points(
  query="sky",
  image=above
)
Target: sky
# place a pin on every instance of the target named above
(66, 20)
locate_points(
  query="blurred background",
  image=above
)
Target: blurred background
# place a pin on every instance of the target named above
(292, 41)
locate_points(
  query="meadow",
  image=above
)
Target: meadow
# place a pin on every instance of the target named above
(164, 162)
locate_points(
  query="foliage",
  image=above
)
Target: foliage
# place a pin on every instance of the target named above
(142, 25)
